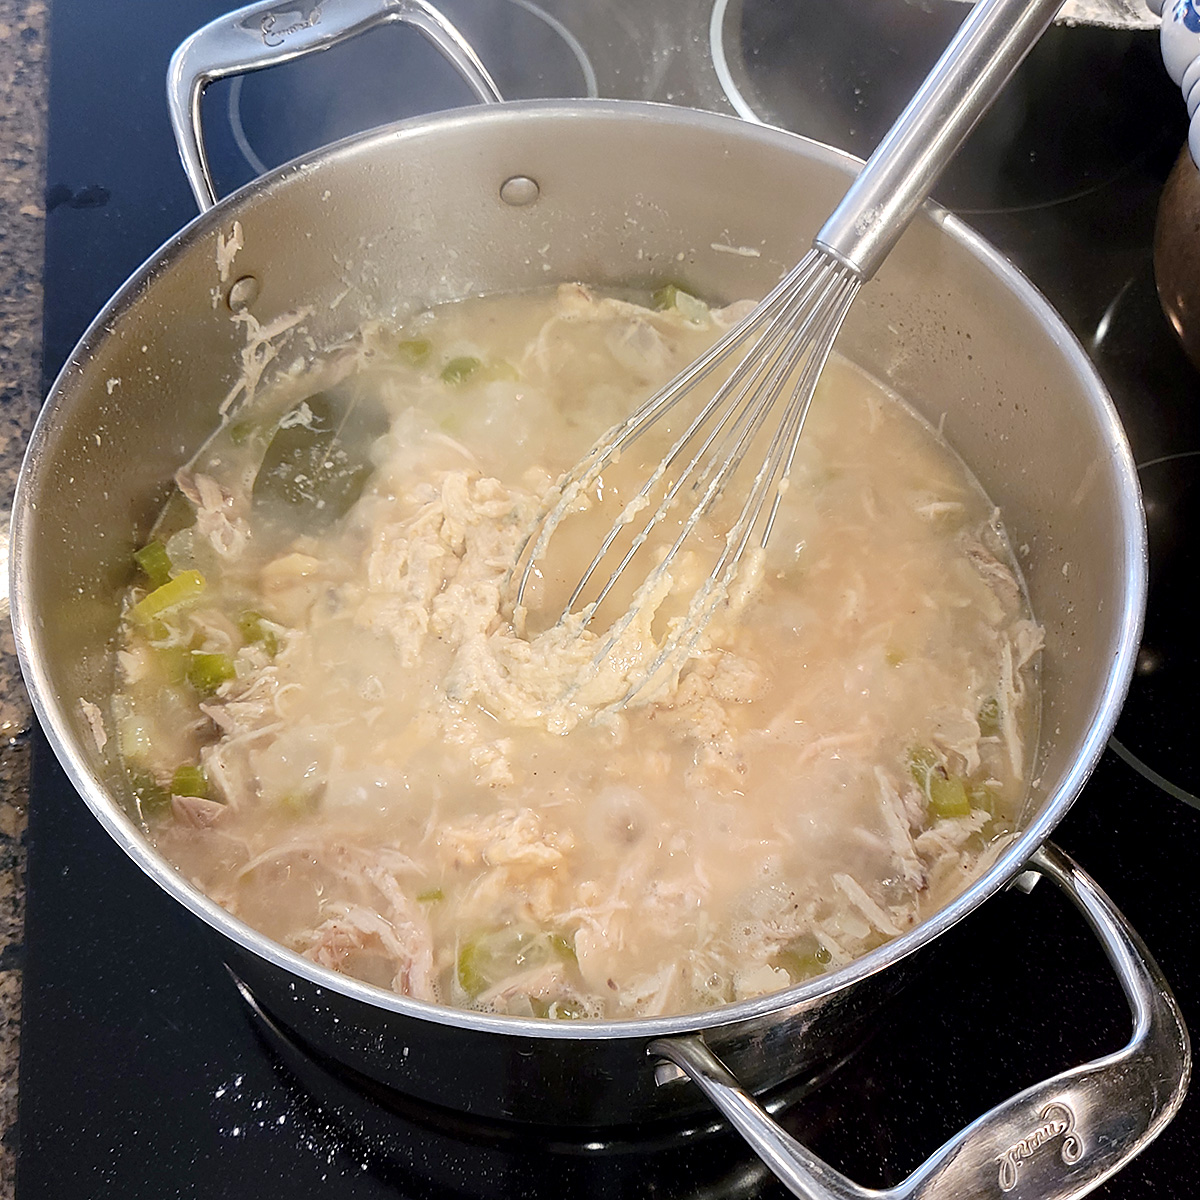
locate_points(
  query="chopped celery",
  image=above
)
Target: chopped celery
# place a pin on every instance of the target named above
(317, 462)
(557, 1010)
(664, 297)
(206, 672)
(562, 948)
(240, 432)
(430, 896)
(989, 717)
(251, 626)
(893, 657)
(948, 796)
(189, 780)
(134, 738)
(470, 969)
(415, 351)
(300, 804)
(671, 295)
(921, 761)
(187, 585)
(491, 958)
(803, 958)
(983, 796)
(155, 562)
(945, 794)
(459, 370)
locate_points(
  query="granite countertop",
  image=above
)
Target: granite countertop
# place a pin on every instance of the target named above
(22, 139)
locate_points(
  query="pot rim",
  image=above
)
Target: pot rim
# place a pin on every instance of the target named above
(51, 711)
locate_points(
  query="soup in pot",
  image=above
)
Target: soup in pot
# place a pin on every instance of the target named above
(336, 726)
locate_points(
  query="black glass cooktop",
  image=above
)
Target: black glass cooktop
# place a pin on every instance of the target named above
(145, 1074)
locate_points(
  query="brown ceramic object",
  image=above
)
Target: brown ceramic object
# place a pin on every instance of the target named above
(1177, 253)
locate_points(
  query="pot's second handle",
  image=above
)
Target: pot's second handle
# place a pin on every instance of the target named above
(277, 31)
(1054, 1141)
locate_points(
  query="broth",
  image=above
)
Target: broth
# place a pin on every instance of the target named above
(334, 730)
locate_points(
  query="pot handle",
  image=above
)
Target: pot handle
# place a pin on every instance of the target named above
(278, 31)
(1055, 1140)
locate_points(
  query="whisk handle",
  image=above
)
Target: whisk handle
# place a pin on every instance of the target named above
(988, 48)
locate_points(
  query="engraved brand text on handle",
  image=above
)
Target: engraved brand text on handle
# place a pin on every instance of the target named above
(1057, 1121)
(276, 27)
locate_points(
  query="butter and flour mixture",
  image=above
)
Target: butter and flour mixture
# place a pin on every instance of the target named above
(332, 727)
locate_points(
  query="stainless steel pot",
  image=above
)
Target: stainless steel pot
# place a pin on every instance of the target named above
(519, 196)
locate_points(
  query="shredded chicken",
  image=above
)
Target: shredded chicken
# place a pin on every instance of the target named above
(407, 784)
(217, 517)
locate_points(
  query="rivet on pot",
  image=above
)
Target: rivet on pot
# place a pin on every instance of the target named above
(242, 293)
(519, 190)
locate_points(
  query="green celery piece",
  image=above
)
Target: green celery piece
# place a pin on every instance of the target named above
(186, 586)
(982, 796)
(989, 717)
(945, 794)
(671, 295)
(300, 804)
(557, 1010)
(317, 462)
(664, 297)
(154, 562)
(430, 896)
(948, 796)
(803, 959)
(240, 432)
(415, 351)
(252, 629)
(562, 948)
(206, 672)
(189, 780)
(470, 969)
(921, 761)
(490, 958)
(250, 625)
(459, 370)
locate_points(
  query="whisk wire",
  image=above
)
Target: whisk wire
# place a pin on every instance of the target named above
(781, 452)
(741, 382)
(795, 338)
(805, 390)
(793, 331)
(764, 392)
(616, 440)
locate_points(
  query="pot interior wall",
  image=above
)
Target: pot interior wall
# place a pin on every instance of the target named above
(404, 218)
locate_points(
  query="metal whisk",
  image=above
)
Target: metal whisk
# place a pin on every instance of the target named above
(784, 342)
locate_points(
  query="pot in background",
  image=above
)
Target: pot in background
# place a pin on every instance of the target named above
(1177, 230)
(841, 71)
(1177, 253)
